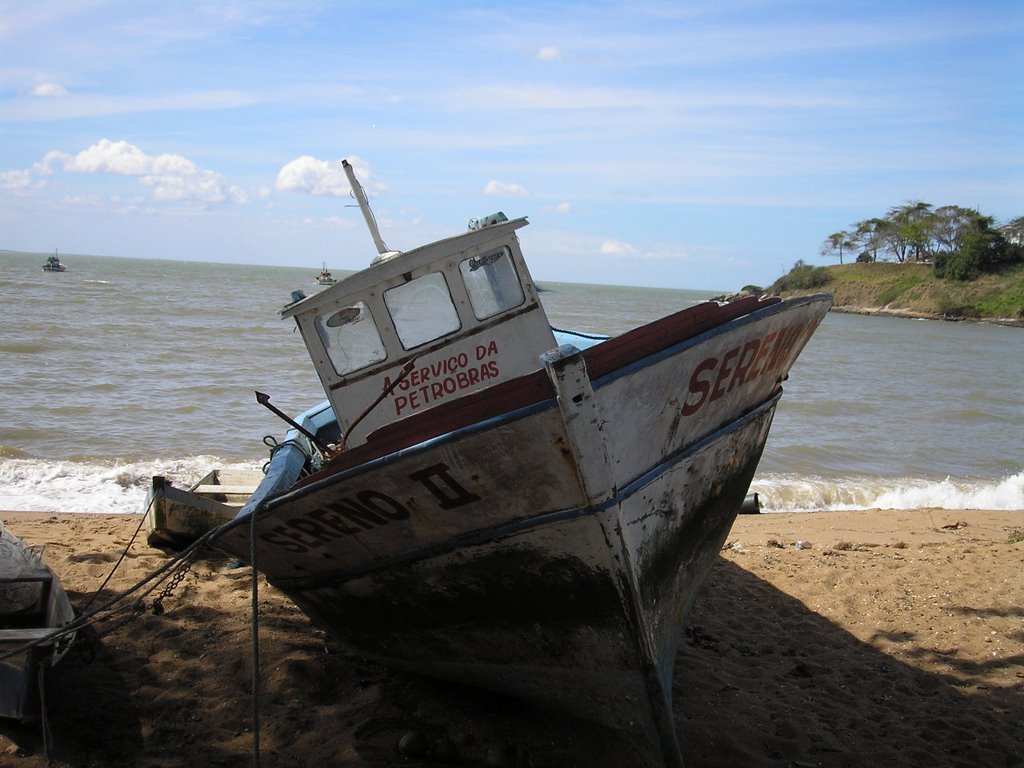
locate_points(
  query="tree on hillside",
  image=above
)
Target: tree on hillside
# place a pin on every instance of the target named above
(908, 236)
(869, 236)
(959, 241)
(837, 242)
(980, 245)
(948, 225)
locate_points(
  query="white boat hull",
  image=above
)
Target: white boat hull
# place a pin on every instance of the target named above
(549, 549)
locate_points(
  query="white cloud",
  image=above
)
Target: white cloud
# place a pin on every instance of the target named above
(172, 177)
(206, 186)
(617, 248)
(501, 189)
(16, 181)
(549, 53)
(23, 180)
(561, 208)
(321, 177)
(53, 156)
(50, 89)
(673, 252)
(106, 156)
(315, 177)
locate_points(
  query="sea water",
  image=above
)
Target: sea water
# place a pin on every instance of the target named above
(120, 369)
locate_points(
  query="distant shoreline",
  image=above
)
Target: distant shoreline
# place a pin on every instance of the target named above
(912, 290)
(911, 314)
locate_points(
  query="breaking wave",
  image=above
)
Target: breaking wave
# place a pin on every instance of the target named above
(112, 487)
(789, 493)
(33, 485)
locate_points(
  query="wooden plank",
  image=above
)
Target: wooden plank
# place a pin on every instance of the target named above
(245, 490)
(26, 635)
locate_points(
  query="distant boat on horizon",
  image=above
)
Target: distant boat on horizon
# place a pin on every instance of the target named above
(325, 277)
(53, 264)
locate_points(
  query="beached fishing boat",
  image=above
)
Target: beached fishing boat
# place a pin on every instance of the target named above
(325, 277)
(32, 604)
(487, 500)
(175, 517)
(53, 264)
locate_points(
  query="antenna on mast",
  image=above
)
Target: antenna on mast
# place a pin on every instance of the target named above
(364, 205)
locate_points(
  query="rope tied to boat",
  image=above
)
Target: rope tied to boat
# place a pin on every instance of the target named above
(591, 336)
(271, 442)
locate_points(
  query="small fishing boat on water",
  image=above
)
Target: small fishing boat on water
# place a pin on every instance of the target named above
(32, 605)
(176, 517)
(53, 264)
(325, 277)
(486, 499)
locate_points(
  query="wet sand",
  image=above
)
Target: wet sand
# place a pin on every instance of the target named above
(896, 638)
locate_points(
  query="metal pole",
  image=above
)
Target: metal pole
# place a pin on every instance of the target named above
(364, 206)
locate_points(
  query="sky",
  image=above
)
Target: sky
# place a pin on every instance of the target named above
(704, 144)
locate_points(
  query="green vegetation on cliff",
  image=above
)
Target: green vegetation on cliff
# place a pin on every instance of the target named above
(912, 289)
(922, 261)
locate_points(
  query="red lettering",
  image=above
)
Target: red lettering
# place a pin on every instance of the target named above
(784, 344)
(723, 373)
(742, 365)
(698, 386)
(762, 355)
(483, 350)
(746, 359)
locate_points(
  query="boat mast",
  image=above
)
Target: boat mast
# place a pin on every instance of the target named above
(364, 206)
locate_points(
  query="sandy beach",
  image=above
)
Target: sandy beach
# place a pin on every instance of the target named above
(892, 638)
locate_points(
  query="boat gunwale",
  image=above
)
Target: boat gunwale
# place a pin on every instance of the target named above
(761, 311)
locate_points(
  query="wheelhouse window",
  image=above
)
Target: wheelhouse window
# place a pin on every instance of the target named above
(492, 283)
(351, 338)
(422, 310)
